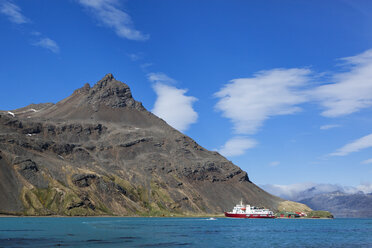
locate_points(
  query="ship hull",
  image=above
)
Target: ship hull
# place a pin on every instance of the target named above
(249, 216)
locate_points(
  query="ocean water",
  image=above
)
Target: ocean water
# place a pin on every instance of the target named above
(183, 232)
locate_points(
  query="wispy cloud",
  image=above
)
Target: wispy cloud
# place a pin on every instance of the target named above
(274, 163)
(108, 13)
(368, 161)
(365, 187)
(144, 66)
(159, 77)
(289, 192)
(237, 146)
(13, 12)
(351, 90)
(329, 126)
(35, 33)
(135, 56)
(248, 102)
(47, 43)
(356, 145)
(172, 104)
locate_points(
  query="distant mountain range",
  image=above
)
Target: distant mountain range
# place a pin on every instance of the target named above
(342, 204)
(340, 201)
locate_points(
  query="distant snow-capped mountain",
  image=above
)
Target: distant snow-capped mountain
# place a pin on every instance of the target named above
(341, 201)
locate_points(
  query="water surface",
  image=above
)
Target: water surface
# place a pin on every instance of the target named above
(183, 232)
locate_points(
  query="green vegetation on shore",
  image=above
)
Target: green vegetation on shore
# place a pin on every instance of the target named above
(319, 214)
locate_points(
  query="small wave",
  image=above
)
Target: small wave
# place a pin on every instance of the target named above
(211, 219)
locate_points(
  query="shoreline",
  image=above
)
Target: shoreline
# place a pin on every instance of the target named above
(108, 216)
(111, 216)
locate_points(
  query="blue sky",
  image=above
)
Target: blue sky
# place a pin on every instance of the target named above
(281, 88)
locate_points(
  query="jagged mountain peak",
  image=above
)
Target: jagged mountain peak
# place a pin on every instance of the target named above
(99, 152)
(108, 77)
(109, 81)
(108, 92)
(106, 100)
(112, 93)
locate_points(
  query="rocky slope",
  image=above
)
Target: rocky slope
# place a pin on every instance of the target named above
(100, 152)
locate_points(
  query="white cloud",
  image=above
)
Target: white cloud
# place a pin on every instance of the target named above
(110, 15)
(274, 163)
(356, 145)
(330, 126)
(237, 146)
(351, 90)
(144, 66)
(48, 44)
(13, 12)
(172, 104)
(135, 56)
(159, 77)
(289, 192)
(248, 102)
(368, 161)
(365, 188)
(35, 33)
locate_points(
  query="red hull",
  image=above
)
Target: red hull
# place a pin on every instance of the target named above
(249, 216)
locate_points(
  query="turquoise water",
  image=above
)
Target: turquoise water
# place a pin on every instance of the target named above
(185, 232)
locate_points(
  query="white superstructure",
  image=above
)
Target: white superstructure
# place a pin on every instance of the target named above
(248, 209)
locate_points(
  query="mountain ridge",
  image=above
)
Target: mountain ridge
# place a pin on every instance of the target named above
(341, 204)
(100, 152)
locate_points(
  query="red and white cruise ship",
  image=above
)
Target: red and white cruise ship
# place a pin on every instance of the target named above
(248, 211)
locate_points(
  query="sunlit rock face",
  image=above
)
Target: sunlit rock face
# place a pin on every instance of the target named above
(100, 152)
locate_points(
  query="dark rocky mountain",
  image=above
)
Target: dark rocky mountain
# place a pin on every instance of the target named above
(100, 152)
(341, 204)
